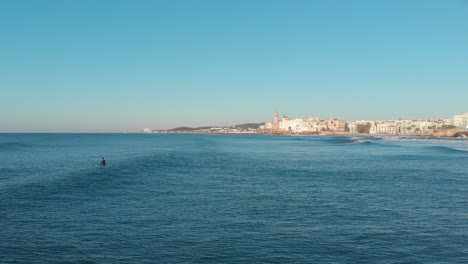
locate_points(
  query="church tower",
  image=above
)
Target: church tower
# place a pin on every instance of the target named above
(276, 123)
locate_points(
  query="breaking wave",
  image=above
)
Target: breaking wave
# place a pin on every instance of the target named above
(446, 149)
(353, 141)
(342, 140)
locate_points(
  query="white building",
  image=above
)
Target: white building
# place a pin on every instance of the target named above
(299, 125)
(459, 121)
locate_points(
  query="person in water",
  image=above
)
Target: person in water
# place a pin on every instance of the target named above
(103, 162)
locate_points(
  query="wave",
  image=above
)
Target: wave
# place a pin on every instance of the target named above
(299, 137)
(446, 149)
(361, 141)
(14, 145)
(366, 142)
(342, 140)
(347, 141)
(124, 172)
(373, 138)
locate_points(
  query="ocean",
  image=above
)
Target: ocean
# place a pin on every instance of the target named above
(191, 198)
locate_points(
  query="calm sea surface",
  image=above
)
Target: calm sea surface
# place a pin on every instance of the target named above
(232, 199)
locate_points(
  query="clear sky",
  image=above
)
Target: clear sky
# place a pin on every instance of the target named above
(114, 66)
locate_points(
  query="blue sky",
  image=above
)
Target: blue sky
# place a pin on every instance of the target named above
(114, 66)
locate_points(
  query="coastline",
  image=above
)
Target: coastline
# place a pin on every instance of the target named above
(441, 135)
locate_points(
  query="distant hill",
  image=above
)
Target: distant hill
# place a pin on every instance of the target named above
(242, 126)
(249, 125)
(189, 128)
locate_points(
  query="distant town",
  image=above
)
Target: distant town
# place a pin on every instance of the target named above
(455, 126)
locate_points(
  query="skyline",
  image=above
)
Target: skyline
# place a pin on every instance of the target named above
(115, 66)
(281, 117)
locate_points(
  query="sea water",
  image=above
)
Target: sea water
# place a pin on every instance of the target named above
(185, 198)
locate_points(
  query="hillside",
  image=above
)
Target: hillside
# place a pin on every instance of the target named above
(241, 126)
(248, 125)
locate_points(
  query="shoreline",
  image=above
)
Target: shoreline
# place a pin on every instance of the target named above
(457, 135)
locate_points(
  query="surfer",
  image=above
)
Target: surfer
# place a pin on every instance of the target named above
(103, 162)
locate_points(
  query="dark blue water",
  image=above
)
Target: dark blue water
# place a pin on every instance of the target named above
(232, 199)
